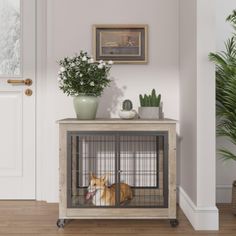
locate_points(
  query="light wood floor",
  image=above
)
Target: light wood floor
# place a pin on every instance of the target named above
(29, 218)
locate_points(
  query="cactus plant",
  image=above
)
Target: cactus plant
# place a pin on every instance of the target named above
(127, 111)
(127, 105)
(150, 100)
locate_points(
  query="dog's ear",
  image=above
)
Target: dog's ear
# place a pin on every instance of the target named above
(104, 178)
(92, 176)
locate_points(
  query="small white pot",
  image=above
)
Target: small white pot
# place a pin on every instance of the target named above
(127, 115)
(149, 113)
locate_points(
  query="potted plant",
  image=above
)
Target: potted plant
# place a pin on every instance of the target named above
(226, 96)
(127, 112)
(150, 106)
(85, 80)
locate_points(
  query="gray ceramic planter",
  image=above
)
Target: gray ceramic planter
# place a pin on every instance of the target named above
(149, 113)
(85, 107)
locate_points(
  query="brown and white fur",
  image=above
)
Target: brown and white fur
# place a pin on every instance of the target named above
(102, 195)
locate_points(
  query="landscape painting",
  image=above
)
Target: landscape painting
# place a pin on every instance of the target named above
(121, 44)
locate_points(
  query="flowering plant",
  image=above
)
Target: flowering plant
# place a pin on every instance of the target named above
(81, 75)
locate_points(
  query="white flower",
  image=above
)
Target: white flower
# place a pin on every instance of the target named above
(92, 83)
(91, 60)
(62, 69)
(84, 58)
(100, 66)
(110, 62)
(81, 83)
(101, 61)
(72, 64)
(80, 75)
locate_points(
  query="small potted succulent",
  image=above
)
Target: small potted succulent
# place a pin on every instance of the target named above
(84, 79)
(127, 111)
(150, 106)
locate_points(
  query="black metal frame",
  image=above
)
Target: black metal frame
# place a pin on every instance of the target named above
(117, 135)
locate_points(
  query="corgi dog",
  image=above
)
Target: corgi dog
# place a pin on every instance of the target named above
(102, 195)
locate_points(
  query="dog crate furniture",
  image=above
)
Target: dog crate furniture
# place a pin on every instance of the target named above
(138, 153)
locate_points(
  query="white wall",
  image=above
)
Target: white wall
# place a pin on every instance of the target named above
(205, 105)
(188, 95)
(69, 25)
(197, 114)
(225, 171)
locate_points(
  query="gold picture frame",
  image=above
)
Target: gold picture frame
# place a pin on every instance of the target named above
(124, 44)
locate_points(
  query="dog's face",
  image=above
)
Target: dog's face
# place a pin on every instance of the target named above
(97, 183)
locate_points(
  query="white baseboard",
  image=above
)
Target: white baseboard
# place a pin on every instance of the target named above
(223, 193)
(206, 218)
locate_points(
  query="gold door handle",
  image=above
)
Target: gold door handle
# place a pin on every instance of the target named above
(27, 82)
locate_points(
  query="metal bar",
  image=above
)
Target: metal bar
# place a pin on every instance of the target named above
(157, 161)
(74, 165)
(166, 171)
(69, 170)
(117, 169)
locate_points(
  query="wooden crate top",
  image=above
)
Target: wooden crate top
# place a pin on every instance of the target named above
(115, 121)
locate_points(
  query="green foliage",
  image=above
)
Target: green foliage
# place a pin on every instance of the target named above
(151, 100)
(225, 62)
(227, 155)
(232, 19)
(81, 75)
(127, 105)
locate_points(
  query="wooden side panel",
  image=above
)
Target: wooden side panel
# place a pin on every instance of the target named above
(172, 171)
(117, 213)
(62, 172)
(117, 127)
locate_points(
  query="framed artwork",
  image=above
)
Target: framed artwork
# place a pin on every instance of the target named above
(120, 43)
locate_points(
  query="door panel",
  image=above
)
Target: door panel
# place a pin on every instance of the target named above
(11, 126)
(17, 120)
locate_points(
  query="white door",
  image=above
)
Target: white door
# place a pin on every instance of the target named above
(17, 109)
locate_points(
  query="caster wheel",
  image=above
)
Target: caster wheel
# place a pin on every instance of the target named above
(174, 223)
(61, 223)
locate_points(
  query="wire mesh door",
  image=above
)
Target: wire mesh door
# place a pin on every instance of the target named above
(121, 169)
(92, 164)
(143, 166)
